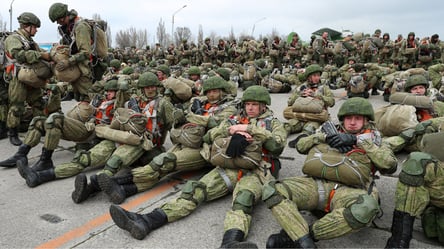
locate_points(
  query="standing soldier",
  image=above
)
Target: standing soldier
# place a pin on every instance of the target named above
(158, 53)
(340, 165)
(207, 51)
(385, 54)
(253, 129)
(295, 50)
(321, 49)
(222, 52)
(25, 57)
(409, 51)
(185, 50)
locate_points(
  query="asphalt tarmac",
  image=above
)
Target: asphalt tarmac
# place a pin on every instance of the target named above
(46, 217)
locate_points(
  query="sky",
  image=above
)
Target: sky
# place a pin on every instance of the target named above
(425, 18)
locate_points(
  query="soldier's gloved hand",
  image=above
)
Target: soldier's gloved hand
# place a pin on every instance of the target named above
(345, 149)
(237, 146)
(196, 107)
(62, 65)
(341, 139)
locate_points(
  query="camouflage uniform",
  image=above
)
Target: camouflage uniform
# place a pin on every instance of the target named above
(202, 115)
(294, 50)
(77, 33)
(77, 126)
(348, 207)
(322, 92)
(23, 54)
(115, 158)
(245, 185)
(409, 51)
(418, 193)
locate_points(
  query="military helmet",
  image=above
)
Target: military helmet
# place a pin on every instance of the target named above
(214, 82)
(194, 70)
(411, 33)
(115, 63)
(377, 31)
(313, 68)
(111, 85)
(29, 18)
(184, 62)
(57, 10)
(224, 73)
(356, 106)
(164, 69)
(414, 80)
(148, 79)
(128, 70)
(257, 93)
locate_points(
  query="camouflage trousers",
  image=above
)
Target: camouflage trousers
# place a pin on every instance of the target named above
(93, 158)
(306, 193)
(19, 94)
(215, 184)
(293, 126)
(3, 99)
(178, 158)
(56, 127)
(414, 199)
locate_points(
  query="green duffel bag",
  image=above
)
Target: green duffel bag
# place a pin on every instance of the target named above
(128, 120)
(352, 168)
(189, 135)
(249, 160)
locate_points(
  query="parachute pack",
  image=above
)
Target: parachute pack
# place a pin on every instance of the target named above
(3, 59)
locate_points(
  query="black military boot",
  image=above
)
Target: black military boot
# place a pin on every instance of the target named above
(139, 225)
(118, 188)
(21, 154)
(34, 177)
(45, 161)
(3, 130)
(282, 240)
(402, 228)
(233, 238)
(13, 137)
(82, 189)
(375, 91)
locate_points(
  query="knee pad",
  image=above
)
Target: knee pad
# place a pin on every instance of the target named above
(54, 120)
(244, 201)
(82, 157)
(164, 162)
(37, 123)
(270, 195)
(362, 212)
(113, 164)
(189, 191)
(413, 169)
(309, 128)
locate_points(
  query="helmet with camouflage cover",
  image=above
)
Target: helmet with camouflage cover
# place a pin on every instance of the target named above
(356, 106)
(164, 69)
(313, 68)
(194, 70)
(414, 80)
(214, 82)
(128, 70)
(148, 79)
(224, 73)
(29, 18)
(257, 93)
(184, 62)
(411, 33)
(111, 85)
(115, 63)
(57, 11)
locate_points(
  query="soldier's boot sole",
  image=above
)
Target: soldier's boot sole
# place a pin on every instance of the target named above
(112, 189)
(126, 221)
(31, 177)
(80, 192)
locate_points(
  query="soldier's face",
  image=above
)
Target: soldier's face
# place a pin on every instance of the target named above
(253, 109)
(150, 91)
(315, 78)
(354, 123)
(213, 95)
(418, 90)
(194, 77)
(110, 94)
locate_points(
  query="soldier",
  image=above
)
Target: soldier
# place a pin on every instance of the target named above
(158, 53)
(43, 170)
(385, 53)
(419, 193)
(204, 113)
(207, 51)
(221, 52)
(409, 50)
(24, 57)
(351, 199)
(185, 50)
(295, 50)
(437, 47)
(321, 49)
(171, 55)
(277, 52)
(159, 112)
(427, 115)
(253, 125)
(76, 32)
(311, 91)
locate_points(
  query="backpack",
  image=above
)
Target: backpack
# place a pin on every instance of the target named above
(3, 58)
(249, 71)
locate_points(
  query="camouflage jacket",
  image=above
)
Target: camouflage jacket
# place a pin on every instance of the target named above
(322, 92)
